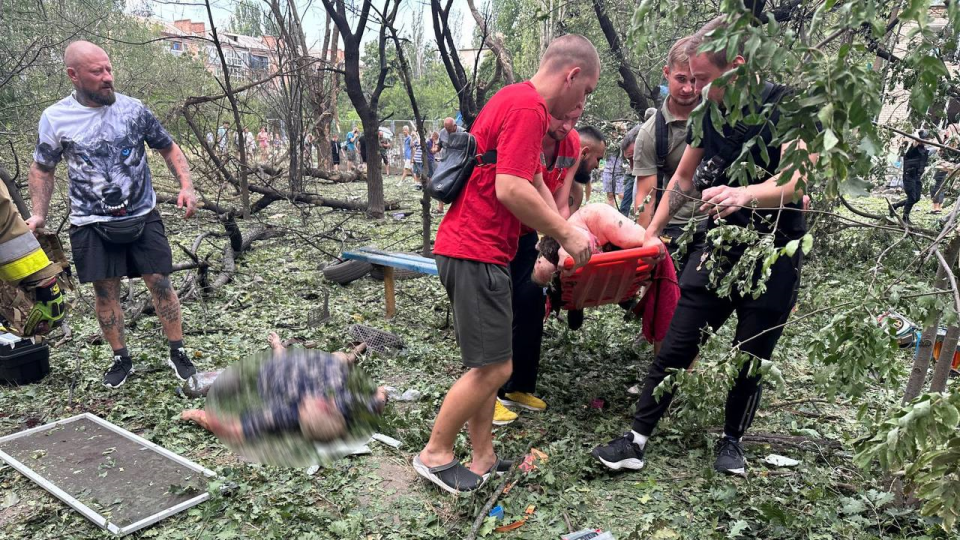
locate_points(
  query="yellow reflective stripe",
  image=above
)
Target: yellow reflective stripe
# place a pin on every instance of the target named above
(24, 266)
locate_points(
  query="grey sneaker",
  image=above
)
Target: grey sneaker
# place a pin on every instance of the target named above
(117, 374)
(730, 458)
(181, 364)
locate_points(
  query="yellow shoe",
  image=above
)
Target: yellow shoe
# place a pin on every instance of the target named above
(502, 415)
(525, 400)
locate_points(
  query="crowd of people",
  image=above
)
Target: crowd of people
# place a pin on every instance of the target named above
(498, 244)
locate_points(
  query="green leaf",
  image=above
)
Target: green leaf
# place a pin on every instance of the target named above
(791, 248)
(738, 527)
(826, 115)
(806, 243)
(829, 139)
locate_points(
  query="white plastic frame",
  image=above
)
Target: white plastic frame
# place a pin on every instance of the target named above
(88, 512)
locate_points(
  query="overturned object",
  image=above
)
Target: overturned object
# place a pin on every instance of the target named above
(377, 340)
(117, 480)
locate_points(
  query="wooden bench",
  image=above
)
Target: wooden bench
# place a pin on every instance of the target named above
(387, 261)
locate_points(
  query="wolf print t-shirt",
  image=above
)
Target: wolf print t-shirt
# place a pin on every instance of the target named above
(105, 155)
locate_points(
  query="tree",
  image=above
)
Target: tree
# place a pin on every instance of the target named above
(248, 18)
(366, 105)
(471, 93)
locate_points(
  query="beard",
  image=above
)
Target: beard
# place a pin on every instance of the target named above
(582, 176)
(103, 96)
(686, 103)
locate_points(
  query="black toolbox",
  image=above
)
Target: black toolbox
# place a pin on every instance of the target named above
(22, 361)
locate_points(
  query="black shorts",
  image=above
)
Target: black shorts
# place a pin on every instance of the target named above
(97, 260)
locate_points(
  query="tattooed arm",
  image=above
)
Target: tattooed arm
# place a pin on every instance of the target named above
(40, 180)
(678, 191)
(177, 163)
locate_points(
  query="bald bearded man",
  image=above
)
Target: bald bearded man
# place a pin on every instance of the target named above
(115, 229)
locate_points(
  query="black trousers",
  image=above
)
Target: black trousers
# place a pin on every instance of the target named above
(938, 192)
(912, 188)
(528, 312)
(696, 244)
(700, 307)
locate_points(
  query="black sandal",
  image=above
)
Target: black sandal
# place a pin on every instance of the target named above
(499, 467)
(452, 477)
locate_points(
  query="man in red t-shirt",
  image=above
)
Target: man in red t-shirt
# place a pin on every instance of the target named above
(477, 240)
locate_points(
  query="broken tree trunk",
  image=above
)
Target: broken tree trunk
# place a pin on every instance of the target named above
(941, 370)
(921, 361)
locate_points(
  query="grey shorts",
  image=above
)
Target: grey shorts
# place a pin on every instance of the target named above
(481, 294)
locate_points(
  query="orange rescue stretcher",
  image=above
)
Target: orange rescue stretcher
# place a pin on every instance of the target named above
(608, 278)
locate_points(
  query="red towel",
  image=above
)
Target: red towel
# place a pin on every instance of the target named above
(657, 306)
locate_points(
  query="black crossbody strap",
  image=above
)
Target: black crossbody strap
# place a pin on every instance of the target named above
(487, 158)
(663, 148)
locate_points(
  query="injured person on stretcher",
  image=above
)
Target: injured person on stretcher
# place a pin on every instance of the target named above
(604, 226)
(318, 395)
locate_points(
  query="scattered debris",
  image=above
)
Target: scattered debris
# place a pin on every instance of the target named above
(588, 534)
(389, 441)
(519, 523)
(634, 390)
(496, 512)
(597, 403)
(409, 395)
(777, 460)
(377, 340)
(312, 470)
(531, 460)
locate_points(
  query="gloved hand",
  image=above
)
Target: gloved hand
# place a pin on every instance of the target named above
(48, 310)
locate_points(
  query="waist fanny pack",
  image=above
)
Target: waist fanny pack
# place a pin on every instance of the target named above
(121, 232)
(457, 165)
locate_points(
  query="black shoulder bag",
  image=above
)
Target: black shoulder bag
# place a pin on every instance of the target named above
(457, 165)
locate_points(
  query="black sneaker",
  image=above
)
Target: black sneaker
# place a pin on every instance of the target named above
(730, 458)
(117, 374)
(575, 319)
(181, 364)
(620, 453)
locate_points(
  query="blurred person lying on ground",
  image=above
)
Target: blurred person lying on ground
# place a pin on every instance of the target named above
(310, 392)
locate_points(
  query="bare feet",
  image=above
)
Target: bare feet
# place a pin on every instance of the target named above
(435, 459)
(198, 416)
(482, 465)
(276, 343)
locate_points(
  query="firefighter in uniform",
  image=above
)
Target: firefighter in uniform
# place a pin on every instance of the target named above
(24, 264)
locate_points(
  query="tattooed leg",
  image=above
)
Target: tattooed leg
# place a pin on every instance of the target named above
(166, 303)
(109, 311)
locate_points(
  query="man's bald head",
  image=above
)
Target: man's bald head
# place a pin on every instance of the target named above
(449, 124)
(571, 51)
(91, 73)
(82, 51)
(569, 70)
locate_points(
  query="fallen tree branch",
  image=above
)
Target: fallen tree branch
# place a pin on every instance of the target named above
(482, 515)
(336, 177)
(230, 255)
